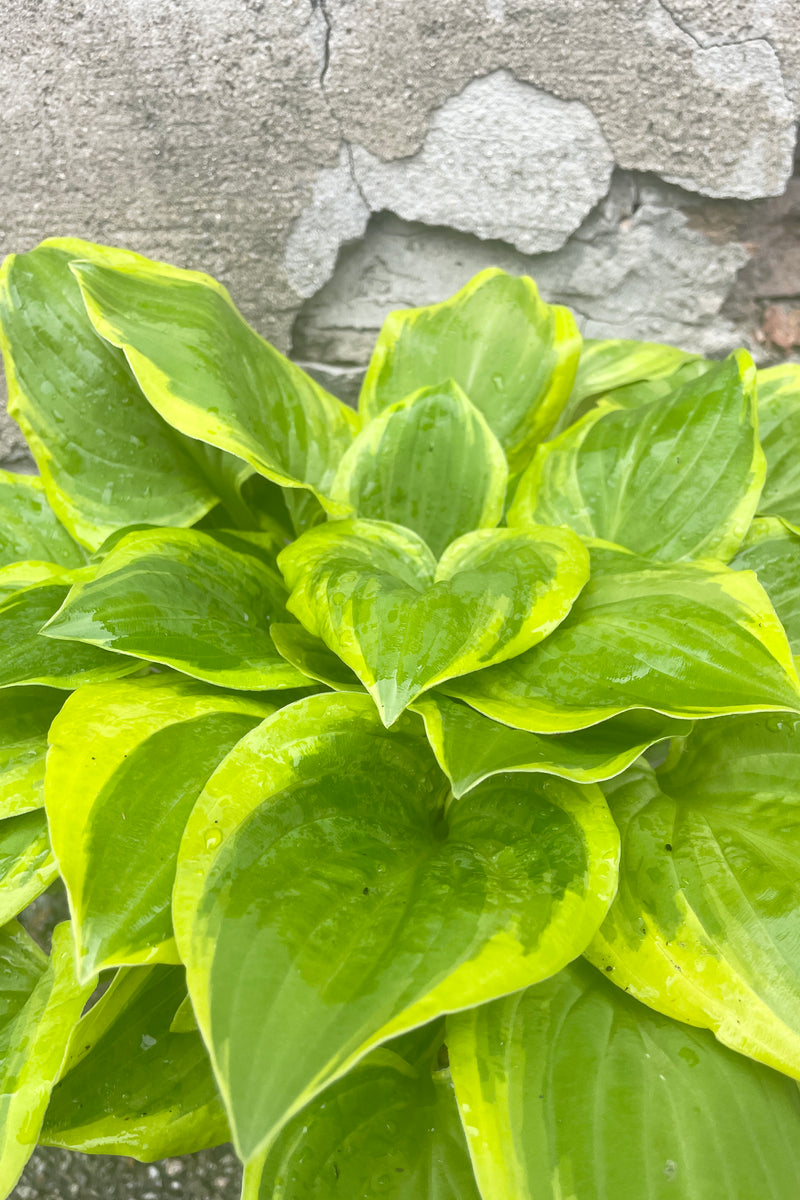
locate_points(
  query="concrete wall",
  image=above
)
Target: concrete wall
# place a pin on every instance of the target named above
(331, 159)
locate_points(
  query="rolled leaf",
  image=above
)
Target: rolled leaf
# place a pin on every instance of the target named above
(184, 598)
(105, 456)
(514, 356)
(571, 1088)
(127, 761)
(779, 430)
(310, 655)
(470, 748)
(211, 376)
(706, 925)
(608, 364)
(376, 596)
(328, 897)
(40, 1003)
(130, 1085)
(390, 1124)
(430, 463)
(685, 639)
(26, 714)
(679, 478)
(772, 550)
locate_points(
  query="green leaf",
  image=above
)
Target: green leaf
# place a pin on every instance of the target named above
(27, 866)
(106, 457)
(131, 1086)
(127, 761)
(706, 925)
(26, 714)
(514, 356)
(678, 478)
(329, 897)
(29, 529)
(779, 430)
(390, 1127)
(311, 656)
(40, 1002)
(376, 596)
(470, 748)
(430, 463)
(772, 550)
(606, 365)
(212, 377)
(684, 639)
(187, 599)
(27, 657)
(573, 1089)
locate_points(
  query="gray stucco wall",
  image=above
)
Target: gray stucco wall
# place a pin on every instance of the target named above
(330, 160)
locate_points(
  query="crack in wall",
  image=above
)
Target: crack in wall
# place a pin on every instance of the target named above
(321, 7)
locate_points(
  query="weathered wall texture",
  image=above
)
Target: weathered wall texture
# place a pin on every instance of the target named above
(336, 158)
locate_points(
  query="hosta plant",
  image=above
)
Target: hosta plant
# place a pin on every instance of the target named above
(424, 781)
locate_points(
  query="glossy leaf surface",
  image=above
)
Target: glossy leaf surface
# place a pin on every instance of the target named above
(470, 748)
(685, 639)
(40, 1002)
(211, 376)
(706, 925)
(779, 430)
(25, 717)
(327, 898)
(772, 550)
(310, 655)
(131, 1086)
(573, 1089)
(27, 866)
(610, 363)
(514, 356)
(187, 599)
(679, 478)
(127, 761)
(27, 657)
(389, 1128)
(376, 596)
(106, 457)
(430, 463)
(29, 529)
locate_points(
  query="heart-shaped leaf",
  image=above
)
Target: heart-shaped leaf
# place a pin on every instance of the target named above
(130, 1085)
(376, 596)
(199, 602)
(430, 463)
(40, 1003)
(573, 1089)
(126, 763)
(212, 377)
(328, 897)
(26, 714)
(679, 478)
(514, 356)
(106, 457)
(772, 550)
(684, 639)
(779, 430)
(470, 748)
(389, 1127)
(706, 925)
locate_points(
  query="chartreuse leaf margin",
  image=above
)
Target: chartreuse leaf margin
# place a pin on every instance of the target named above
(423, 780)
